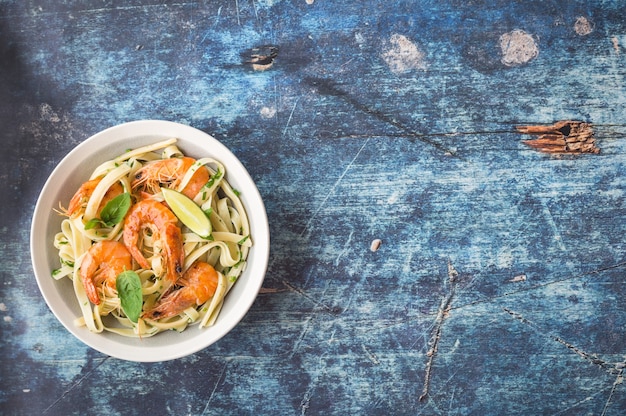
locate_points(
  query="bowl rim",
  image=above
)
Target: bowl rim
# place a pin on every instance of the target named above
(142, 349)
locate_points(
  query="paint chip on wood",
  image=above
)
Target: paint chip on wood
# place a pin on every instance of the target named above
(403, 55)
(615, 43)
(583, 26)
(518, 48)
(268, 112)
(518, 278)
(562, 137)
(261, 58)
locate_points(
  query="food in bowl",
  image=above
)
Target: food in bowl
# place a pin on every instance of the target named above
(153, 240)
(73, 170)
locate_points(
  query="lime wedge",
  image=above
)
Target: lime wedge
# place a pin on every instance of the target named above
(188, 212)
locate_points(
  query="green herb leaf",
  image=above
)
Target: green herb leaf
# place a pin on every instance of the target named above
(215, 177)
(128, 286)
(93, 223)
(67, 263)
(115, 210)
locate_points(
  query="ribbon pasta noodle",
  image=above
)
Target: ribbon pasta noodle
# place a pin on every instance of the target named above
(225, 249)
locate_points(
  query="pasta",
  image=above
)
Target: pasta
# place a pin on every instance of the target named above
(96, 215)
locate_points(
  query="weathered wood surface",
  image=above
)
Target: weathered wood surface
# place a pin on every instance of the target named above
(498, 287)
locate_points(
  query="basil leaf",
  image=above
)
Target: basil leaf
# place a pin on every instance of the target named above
(128, 287)
(115, 210)
(93, 223)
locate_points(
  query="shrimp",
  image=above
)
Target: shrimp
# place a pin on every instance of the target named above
(163, 224)
(170, 172)
(85, 191)
(103, 262)
(198, 285)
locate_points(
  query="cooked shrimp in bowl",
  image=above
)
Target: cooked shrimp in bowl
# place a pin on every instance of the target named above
(136, 265)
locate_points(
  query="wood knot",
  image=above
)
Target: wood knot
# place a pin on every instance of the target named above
(562, 137)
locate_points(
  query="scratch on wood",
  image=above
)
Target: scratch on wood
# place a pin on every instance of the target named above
(562, 137)
(618, 380)
(611, 368)
(318, 304)
(238, 17)
(265, 290)
(290, 116)
(442, 314)
(328, 87)
(76, 383)
(370, 355)
(217, 383)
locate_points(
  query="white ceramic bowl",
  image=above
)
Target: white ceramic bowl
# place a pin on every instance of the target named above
(75, 169)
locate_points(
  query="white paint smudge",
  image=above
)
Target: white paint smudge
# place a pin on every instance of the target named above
(518, 278)
(48, 114)
(583, 26)
(359, 39)
(268, 112)
(7, 319)
(504, 258)
(518, 48)
(3, 307)
(403, 55)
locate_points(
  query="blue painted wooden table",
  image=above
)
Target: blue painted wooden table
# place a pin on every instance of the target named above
(425, 259)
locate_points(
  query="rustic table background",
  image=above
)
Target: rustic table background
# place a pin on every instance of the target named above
(498, 287)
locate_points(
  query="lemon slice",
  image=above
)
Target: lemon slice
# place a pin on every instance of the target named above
(188, 212)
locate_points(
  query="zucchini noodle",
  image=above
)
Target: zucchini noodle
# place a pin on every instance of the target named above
(226, 249)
